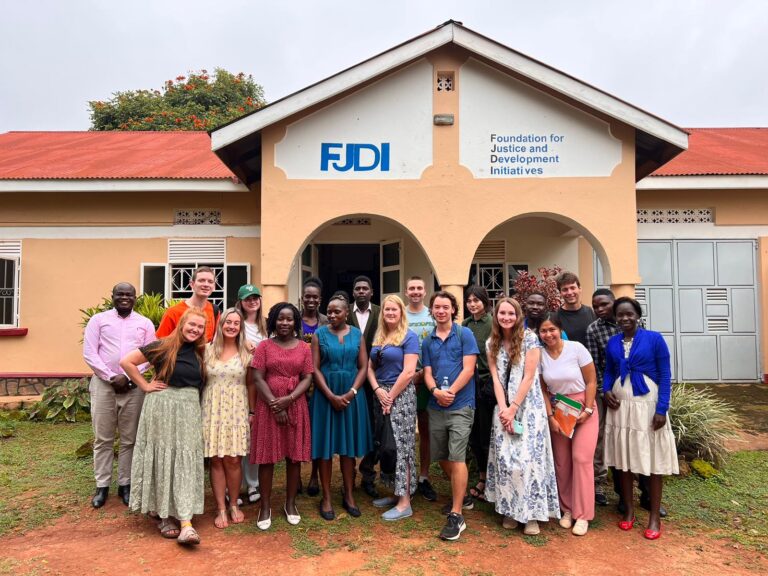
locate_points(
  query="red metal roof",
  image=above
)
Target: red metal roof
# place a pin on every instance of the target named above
(721, 152)
(109, 155)
(183, 155)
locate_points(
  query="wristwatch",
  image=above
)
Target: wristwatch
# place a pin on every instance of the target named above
(589, 411)
(353, 390)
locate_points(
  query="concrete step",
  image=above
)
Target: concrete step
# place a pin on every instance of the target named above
(18, 402)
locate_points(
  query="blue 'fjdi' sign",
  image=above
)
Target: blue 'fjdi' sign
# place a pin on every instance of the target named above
(378, 157)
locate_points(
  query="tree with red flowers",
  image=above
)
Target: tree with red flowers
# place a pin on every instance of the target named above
(527, 283)
(198, 101)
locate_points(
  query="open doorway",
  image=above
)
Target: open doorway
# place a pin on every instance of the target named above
(339, 264)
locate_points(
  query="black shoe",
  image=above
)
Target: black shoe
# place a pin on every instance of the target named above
(353, 511)
(646, 505)
(467, 504)
(426, 490)
(454, 526)
(125, 493)
(601, 499)
(326, 515)
(370, 489)
(100, 498)
(313, 489)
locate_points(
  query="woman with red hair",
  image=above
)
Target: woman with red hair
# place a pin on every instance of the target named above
(167, 469)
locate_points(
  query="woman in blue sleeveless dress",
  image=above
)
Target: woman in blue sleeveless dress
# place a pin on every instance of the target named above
(340, 423)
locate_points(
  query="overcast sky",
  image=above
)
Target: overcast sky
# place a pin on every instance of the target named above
(692, 62)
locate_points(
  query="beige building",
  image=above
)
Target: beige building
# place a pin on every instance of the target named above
(450, 157)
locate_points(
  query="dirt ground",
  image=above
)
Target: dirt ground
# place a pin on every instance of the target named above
(110, 541)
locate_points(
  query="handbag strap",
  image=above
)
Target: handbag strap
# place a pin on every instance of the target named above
(506, 380)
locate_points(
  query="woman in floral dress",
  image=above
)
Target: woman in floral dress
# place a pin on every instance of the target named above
(521, 472)
(225, 412)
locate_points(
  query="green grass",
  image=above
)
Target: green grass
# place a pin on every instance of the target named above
(41, 479)
(732, 505)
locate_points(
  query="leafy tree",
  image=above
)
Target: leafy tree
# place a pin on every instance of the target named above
(197, 102)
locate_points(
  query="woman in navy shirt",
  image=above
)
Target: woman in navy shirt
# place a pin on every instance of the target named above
(391, 367)
(638, 434)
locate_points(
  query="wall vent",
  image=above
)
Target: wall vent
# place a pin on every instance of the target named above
(211, 250)
(492, 250)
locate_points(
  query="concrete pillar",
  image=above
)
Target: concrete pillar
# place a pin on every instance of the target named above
(762, 283)
(623, 290)
(458, 292)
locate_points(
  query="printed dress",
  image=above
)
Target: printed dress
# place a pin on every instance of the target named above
(346, 432)
(521, 472)
(282, 369)
(225, 408)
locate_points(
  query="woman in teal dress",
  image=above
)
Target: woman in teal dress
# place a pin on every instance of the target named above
(340, 423)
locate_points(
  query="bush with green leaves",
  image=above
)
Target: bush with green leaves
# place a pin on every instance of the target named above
(67, 401)
(702, 423)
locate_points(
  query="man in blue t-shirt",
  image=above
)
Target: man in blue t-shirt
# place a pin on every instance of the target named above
(449, 355)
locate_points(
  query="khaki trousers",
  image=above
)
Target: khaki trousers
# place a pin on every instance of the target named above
(110, 412)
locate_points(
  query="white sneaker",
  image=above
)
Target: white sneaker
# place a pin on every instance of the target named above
(567, 520)
(254, 495)
(531, 528)
(580, 528)
(509, 523)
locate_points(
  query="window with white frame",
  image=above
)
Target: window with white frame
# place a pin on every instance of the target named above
(172, 279)
(10, 272)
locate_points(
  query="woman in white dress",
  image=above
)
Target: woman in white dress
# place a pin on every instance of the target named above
(521, 472)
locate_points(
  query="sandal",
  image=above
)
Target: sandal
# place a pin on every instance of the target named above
(188, 536)
(236, 514)
(168, 529)
(221, 520)
(478, 492)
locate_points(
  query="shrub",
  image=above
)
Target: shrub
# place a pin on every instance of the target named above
(68, 401)
(701, 423)
(7, 427)
(526, 283)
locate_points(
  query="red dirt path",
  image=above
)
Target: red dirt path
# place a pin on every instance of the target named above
(113, 542)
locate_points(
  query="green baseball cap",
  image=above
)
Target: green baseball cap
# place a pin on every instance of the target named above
(248, 290)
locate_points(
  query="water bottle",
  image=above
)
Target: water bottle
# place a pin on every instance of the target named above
(444, 385)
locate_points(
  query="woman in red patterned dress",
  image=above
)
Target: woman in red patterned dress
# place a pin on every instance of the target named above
(280, 374)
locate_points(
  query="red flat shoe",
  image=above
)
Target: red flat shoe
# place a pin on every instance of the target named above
(627, 525)
(652, 534)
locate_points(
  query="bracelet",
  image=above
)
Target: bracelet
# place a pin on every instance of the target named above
(251, 413)
(589, 411)
(432, 390)
(374, 390)
(515, 403)
(353, 390)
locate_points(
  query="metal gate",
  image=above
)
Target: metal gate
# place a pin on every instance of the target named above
(702, 296)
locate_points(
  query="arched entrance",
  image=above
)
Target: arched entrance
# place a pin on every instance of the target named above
(529, 242)
(342, 249)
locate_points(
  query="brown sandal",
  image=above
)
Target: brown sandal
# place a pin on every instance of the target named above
(168, 529)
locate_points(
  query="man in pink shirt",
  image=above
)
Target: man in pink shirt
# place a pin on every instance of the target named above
(115, 401)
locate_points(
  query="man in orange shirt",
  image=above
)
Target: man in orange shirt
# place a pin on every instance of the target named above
(202, 284)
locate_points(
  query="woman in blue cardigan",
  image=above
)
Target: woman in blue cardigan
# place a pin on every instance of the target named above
(638, 434)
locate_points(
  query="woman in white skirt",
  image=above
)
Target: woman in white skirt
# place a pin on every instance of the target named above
(638, 434)
(225, 412)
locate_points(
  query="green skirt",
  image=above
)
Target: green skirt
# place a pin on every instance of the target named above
(167, 474)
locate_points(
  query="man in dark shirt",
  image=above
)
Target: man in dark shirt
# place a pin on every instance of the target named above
(598, 334)
(574, 316)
